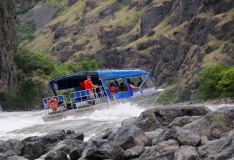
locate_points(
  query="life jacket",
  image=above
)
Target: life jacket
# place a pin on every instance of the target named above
(134, 88)
(88, 84)
(82, 85)
(112, 89)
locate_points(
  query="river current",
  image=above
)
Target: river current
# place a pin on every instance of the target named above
(19, 125)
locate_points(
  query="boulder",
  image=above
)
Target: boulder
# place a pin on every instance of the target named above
(11, 147)
(59, 155)
(72, 136)
(181, 121)
(15, 158)
(162, 151)
(214, 124)
(129, 136)
(76, 153)
(103, 135)
(159, 117)
(37, 146)
(133, 152)
(129, 121)
(69, 145)
(103, 149)
(152, 134)
(186, 153)
(218, 149)
(3, 156)
(183, 136)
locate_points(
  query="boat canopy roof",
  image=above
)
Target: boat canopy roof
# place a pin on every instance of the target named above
(101, 74)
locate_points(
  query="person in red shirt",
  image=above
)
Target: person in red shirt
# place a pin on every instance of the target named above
(88, 86)
(112, 88)
(82, 85)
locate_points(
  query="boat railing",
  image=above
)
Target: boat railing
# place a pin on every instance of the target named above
(81, 98)
(62, 105)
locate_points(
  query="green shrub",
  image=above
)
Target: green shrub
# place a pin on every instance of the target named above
(30, 62)
(25, 31)
(23, 10)
(25, 97)
(167, 96)
(216, 81)
(226, 84)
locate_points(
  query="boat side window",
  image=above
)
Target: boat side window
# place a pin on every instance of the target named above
(119, 84)
(148, 83)
(136, 80)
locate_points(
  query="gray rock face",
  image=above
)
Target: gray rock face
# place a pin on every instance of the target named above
(154, 118)
(181, 121)
(183, 136)
(103, 149)
(218, 149)
(153, 16)
(129, 136)
(214, 124)
(60, 155)
(133, 152)
(8, 45)
(11, 147)
(186, 153)
(184, 10)
(164, 151)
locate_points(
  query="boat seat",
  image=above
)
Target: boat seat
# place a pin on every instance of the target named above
(60, 99)
(80, 96)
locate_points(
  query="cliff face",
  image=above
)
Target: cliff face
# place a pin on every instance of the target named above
(173, 39)
(8, 45)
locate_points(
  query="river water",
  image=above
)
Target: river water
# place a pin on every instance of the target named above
(19, 125)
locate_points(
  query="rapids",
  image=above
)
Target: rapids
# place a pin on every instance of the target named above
(19, 125)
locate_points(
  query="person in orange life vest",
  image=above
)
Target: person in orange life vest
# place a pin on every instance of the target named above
(82, 85)
(112, 88)
(134, 87)
(89, 85)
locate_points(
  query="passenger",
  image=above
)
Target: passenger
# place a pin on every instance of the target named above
(112, 88)
(122, 87)
(89, 85)
(134, 87)
(82, 85)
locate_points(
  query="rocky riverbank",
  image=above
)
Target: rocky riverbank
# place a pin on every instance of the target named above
(162, 133)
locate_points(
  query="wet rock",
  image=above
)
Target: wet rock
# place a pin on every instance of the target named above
(37, 146)
(76, 153)
(159, 117)
(218, 149)
(183, 136)
(103, 149)
(164, 150)
(129, 136)
(15, 158)
(134, 152)
(214, 124)
(152, 134)
(69, 145)
(59, 155)
(129, 121)
(147, 44)
(11, 147)
(181, 121)
(186, 153)
(153, 16)
(103, 135)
